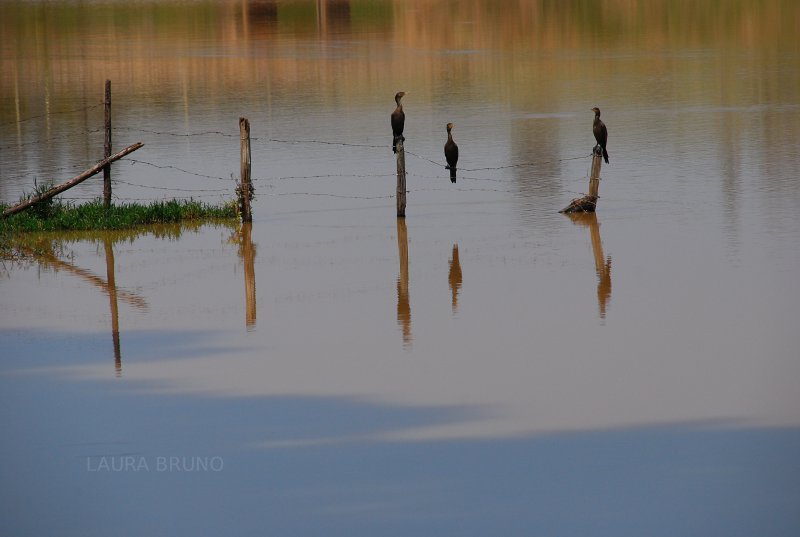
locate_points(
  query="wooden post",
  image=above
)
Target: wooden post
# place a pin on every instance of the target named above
(107, 148)
(594, 178)
(401, 179)
(58, 189)
(245, 186)
(588, 203)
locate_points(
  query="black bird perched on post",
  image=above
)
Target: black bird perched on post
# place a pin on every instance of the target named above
(398, 121)
(451, 153)
(600, 132)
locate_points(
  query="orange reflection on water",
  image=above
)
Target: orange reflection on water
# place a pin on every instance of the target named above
(403, 305)
(602, 265)
(454, 277)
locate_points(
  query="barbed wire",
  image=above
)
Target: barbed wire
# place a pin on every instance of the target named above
(170, 166)
(321, 142)
(52, 114)
(171, 188)
(488, 168)
(178, 134)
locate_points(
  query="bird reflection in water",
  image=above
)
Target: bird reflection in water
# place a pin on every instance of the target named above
(454, 277)
(403, 305)
(602, 266)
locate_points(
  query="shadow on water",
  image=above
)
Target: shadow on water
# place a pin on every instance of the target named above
(602, 265)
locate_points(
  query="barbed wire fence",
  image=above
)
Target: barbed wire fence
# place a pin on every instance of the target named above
(209, 191)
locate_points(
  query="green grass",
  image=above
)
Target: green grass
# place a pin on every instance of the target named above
(58, 216)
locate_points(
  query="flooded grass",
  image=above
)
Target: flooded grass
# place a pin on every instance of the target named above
(93, 216)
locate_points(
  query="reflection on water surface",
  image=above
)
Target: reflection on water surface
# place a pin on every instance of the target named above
(528, 401)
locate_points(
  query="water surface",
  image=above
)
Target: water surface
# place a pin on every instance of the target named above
(486, 365)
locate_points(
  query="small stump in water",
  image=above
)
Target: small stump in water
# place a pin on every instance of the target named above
(586, 204)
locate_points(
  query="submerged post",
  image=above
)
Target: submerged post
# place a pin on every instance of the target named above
(245, 186)
(401, 179)
(107, 148)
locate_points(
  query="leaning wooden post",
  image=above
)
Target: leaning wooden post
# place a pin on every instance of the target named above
(58, 189)
(401, 179)
(107, 148)
(245, 186)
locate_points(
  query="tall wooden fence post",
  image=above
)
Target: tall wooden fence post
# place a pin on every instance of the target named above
(245, 186)
(107, 148)
(401, 179)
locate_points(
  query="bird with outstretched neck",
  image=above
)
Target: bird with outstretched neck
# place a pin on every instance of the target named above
(398, 121)
(451, 153)
(600, 132)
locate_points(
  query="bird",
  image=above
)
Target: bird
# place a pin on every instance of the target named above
(398, 121)
(451, 153)
(600, 132)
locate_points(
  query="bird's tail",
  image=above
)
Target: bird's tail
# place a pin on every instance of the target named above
(452, 174)
(605, 155)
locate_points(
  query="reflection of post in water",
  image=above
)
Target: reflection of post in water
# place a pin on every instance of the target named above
(403, 305)
(454, 277)
(112, 298)
(601, 265)
(247, 251)
(47, 257)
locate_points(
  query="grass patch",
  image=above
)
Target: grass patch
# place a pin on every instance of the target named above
(58, 216)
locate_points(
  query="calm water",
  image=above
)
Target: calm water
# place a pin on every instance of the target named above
(487, 366)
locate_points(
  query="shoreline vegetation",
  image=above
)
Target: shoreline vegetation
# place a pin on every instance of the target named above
(55, 215)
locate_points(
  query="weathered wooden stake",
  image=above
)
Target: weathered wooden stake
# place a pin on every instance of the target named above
(245, 186)
(594, 178)
(401, 179)
(58, 189)
(107, 148)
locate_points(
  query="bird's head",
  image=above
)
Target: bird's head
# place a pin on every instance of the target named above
(450, 127)
(596, 111)
(398, 96)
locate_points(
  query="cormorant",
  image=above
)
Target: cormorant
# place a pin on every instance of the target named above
(398, 121)
(600, 132)
(451, 153)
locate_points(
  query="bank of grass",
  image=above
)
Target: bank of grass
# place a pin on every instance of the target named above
(93, 215)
